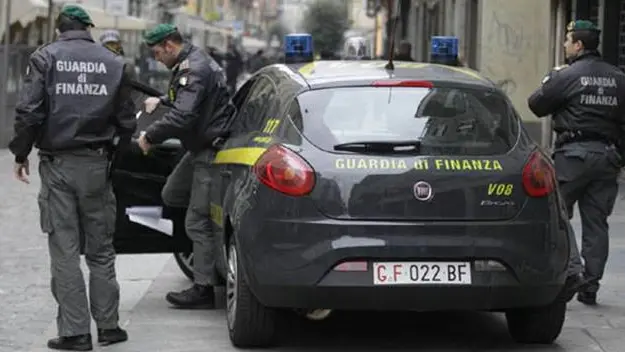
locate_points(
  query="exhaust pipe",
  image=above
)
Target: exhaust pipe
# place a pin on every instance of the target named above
(317, 314)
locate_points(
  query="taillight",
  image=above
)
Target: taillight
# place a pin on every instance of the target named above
(538, 176)
(285, 171)
(412, 84)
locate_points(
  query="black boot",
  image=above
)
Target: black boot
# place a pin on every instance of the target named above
(198, 296)
(587, 298)
(71, 343)
(111, 336)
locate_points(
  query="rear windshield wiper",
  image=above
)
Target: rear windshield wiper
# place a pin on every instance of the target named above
(392, 147)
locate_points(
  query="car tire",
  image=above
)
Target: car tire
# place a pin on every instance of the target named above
(250, 324)
(185, 263)
(537, 325)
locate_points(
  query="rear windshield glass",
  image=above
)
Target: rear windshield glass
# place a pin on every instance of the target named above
(447, 121)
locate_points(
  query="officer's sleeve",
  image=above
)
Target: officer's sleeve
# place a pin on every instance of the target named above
(622, 124)
(164, 100)
(184, 110)
(551, 94)
(124, 119)
(30, 111)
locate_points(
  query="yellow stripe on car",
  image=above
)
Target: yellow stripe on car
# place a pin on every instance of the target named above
(466, 71)
(307, 69)
(242, 156)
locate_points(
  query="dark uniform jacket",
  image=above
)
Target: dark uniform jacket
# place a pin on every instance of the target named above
(74, 96)
(586, 98)
(129, 67)
(199, 101)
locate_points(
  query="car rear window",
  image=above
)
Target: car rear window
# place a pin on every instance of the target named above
(447, 121)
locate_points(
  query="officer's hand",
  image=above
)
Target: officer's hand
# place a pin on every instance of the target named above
(21, 171)
(150, 104)
(144, 144)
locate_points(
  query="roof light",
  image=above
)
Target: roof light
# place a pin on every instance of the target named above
(298, 48)
(411, 84)
(444, 50)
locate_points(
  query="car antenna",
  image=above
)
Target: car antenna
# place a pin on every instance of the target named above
(390, 65)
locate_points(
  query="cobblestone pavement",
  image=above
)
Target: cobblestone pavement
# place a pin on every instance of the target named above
(27, 310)
(25, 301)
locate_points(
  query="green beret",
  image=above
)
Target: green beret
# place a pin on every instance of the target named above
(77, 13)
(581, 25)
(159, 33)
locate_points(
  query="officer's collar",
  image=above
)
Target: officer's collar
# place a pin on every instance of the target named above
(586, 54)
(186, 49)
(73, 35)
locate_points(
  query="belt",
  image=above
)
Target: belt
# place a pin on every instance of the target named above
(101, 148)
(566, 137)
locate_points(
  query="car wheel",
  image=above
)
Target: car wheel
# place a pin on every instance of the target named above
(185, 263)
(250, 324)
(539, 325)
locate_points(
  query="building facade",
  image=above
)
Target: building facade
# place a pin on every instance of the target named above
(514, 43)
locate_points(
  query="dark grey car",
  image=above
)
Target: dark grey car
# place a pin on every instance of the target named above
(344, 187)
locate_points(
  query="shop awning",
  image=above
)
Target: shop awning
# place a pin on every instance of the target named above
(101, 19)
(186, 22)
(26, 11)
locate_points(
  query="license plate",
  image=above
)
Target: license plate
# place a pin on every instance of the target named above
(422, 273)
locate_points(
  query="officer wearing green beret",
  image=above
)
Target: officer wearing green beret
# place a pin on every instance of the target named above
(74, 104)
(585, 100)
(77, 13)
(199, 113)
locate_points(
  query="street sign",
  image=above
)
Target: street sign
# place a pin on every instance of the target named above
(238, 27)
(116, 7)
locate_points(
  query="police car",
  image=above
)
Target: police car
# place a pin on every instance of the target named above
(348, 186)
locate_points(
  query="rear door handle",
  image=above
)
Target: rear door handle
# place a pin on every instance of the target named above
(225, 173)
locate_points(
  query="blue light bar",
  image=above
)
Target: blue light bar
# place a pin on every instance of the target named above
(444, 49)
(298, 48)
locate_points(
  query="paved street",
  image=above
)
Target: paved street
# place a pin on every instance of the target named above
(27, 310)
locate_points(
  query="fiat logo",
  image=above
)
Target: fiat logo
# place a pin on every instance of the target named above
(423, 191)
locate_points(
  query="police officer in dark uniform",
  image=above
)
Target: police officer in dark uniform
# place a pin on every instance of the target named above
(585, 100)
(200, 109)
(73, 104)
(111, 39)
(234, 65)
(405, 52)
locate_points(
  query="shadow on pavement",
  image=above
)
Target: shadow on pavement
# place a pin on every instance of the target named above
(400, 331)
(448, 331)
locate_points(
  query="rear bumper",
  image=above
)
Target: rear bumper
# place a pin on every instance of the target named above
(407, 298)
(290, 263)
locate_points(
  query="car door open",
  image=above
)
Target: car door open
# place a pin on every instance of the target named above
(144, 224)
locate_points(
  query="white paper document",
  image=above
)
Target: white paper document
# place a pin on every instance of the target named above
(151, 217)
